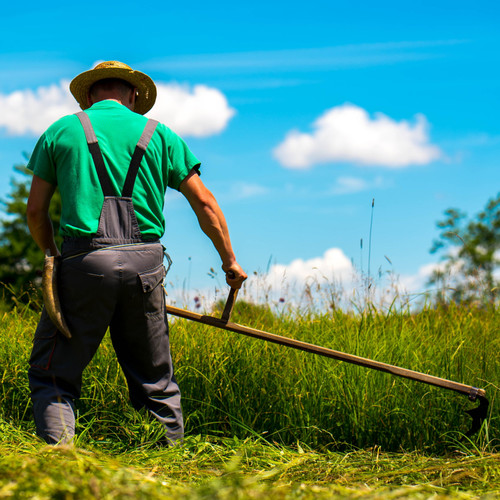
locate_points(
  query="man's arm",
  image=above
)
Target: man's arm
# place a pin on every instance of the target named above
(37, 212)
(213, 224)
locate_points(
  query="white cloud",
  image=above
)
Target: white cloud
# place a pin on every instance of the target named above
(244, 190)
(331, 278)
(288, 282)
(336, 57)
(350, 185)
(291, 280)
(316, 284)
(416, 283)
(346, 185)
(31, 112)
(347, 133)
(333, 264)
(200, 112)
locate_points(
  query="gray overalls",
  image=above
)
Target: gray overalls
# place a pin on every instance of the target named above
(114, 280)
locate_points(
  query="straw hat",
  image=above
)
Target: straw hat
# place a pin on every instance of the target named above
(146, 89)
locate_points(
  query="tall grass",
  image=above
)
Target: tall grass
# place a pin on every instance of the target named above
(236, 386)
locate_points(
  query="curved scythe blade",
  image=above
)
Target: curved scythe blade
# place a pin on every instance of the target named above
(477, 414)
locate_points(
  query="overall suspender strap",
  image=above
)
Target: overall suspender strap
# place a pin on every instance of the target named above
(95, 151)
(135, 163)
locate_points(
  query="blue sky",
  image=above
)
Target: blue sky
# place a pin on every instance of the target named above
(301, 114)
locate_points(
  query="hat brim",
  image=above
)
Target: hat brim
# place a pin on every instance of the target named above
(146, 89)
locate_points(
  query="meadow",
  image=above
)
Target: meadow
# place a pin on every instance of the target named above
(266, 421)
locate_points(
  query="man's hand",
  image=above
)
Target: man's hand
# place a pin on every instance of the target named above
(235, 276)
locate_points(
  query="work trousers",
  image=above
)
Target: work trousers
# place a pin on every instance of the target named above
(119, 287)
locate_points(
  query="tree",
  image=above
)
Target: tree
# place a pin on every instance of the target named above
(21, 260)
(473, 255)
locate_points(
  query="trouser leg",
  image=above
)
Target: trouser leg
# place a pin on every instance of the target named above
(56, 362)
(55, 378)
(139, 331)
(148, 368)
(52, 398)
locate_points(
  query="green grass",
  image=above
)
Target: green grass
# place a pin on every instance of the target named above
(266, 421)
(229, 468)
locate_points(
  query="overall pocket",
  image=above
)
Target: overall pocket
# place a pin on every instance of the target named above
(151, 285)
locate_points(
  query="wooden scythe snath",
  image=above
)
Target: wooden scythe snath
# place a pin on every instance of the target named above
(478, 414)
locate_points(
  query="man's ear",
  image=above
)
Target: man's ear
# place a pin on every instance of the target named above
(133, 97)
(89, 100)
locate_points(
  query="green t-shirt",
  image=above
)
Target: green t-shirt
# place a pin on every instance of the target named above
(62, 158)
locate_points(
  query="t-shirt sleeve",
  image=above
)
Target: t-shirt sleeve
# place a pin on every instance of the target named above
(181, 160)
(41, 163)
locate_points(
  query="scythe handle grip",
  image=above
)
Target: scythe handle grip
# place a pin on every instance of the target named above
(228, 309)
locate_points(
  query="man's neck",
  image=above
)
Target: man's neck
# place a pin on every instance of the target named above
(129, 105)
(109, 99)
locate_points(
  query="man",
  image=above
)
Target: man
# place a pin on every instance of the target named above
(112, 166)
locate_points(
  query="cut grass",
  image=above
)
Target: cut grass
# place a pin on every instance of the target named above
(215, 468)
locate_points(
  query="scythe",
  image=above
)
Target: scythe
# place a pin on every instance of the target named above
(477, 414)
